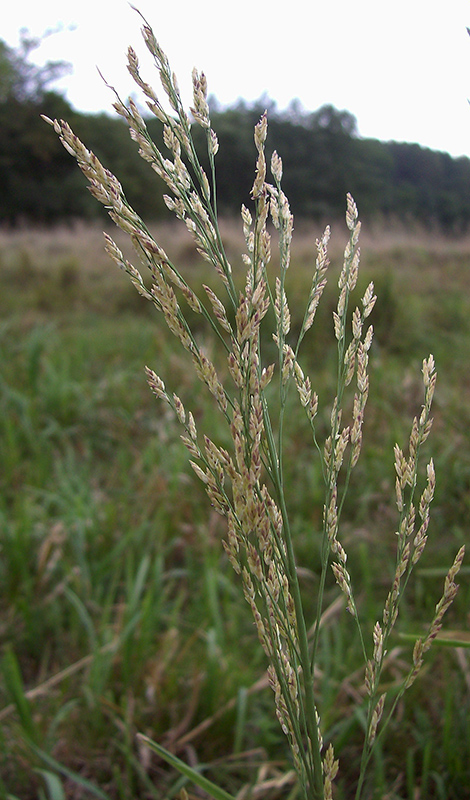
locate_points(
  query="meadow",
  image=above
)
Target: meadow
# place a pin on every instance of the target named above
(119, 610)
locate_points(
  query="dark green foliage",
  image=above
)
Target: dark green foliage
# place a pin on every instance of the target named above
(323, 159)
(429, 186)
(41, 182)
(322, 154)
(35, 172)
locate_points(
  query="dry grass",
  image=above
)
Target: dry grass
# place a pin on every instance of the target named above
(402, 247)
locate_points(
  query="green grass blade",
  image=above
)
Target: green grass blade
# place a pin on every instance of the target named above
(84, 616)
(444, 639)
(55, 790)
(14, 686)
(204, 783)
(73, 776)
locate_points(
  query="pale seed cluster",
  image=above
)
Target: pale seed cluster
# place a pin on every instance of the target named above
(354, 361)
(255, 544)
(259, 544)
(450, 591)
(411, 540)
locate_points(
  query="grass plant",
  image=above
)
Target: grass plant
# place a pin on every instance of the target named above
(130, 564)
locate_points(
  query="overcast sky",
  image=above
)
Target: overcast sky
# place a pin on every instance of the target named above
(402, 67)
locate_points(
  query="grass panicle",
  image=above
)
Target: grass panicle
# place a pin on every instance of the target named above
(244, 474)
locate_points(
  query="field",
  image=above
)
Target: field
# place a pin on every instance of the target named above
(119, 610)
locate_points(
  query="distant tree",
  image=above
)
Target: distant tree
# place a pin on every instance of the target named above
(20, 78)
(330, 119)
(38, 178)
(323, 155)
(295, 112)
(34, 176)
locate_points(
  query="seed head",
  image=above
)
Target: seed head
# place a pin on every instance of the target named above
(276, 167)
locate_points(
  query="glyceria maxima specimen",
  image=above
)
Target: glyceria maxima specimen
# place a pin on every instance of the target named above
(245, 483)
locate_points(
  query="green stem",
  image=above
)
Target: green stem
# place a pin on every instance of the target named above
(311, 718)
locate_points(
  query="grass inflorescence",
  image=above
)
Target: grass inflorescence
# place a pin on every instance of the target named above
(120, 601)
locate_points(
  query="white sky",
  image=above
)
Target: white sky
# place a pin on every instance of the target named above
(402, 67)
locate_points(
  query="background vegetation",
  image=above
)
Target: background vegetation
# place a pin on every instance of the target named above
(118, 610)
(323, 158)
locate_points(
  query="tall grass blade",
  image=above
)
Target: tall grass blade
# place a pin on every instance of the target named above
(199, 780)
(14, 686)
(68, 773)
(445, 639)
(55, 789)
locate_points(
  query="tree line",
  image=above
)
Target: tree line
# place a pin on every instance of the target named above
(323, 157)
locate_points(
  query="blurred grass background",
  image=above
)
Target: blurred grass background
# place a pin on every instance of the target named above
(119, 612)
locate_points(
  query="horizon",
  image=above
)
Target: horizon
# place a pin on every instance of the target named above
(405, 82)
